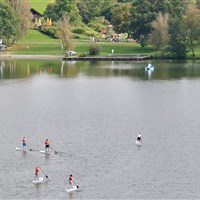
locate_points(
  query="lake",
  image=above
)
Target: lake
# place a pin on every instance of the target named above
(92, 112)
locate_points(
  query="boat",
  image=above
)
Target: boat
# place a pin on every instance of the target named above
(46, 152)
(39, 180)
(21, 149)
(149, 67)
(139, 143)
(74, 188)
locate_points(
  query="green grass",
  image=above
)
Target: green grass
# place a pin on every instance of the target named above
(38, 43)
(36, 36)
(119, 49)
(36, 49)
(40, 5)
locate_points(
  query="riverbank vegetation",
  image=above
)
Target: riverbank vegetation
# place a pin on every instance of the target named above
(164, 28)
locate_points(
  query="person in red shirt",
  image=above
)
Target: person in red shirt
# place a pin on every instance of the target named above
(70, 181)
(37, 171)
(47, 145)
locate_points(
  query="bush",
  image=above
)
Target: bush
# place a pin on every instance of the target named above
(76, 36)
(82, 55)
(49, 30)
(96, 26)
(94, 50)
(79, 30)
(91, 33)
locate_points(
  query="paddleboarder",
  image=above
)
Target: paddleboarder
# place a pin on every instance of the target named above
(37, 171)
(47, 145)
(24, 143)
(139, 137)
(70, 181)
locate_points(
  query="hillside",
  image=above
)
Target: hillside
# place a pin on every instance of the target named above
(40, 5)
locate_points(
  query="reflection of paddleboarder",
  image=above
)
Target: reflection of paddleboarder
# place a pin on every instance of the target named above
(24, 143)
(47, 145)
(37, 171)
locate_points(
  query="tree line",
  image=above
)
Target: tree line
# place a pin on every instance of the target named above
(171, 26)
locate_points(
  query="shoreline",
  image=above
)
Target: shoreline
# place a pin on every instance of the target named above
(24, 56)
(72, 58)
(129, 57)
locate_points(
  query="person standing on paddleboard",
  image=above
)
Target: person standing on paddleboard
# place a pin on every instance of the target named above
(37, 172)
(24, 143)
(47, 145)
(139, 137)
(70, 181)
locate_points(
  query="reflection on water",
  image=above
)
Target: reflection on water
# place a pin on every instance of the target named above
(149, 74)
(24, 153)
(165, 70)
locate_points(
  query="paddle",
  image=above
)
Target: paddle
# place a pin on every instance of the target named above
(29, 148)
(75, 184)
(53, 149)
(44, 173)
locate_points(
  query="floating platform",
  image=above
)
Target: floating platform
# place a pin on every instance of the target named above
(104, 58)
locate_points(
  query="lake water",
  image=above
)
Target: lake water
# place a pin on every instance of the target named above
(92, 112)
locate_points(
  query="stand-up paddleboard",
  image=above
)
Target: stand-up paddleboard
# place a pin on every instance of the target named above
(139, 143)
(21, 149)
(74, 188)
(38, 180)
(45, 152)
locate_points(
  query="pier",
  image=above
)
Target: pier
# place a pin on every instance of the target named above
(105, 58)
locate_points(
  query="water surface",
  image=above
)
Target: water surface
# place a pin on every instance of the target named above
(91, 112)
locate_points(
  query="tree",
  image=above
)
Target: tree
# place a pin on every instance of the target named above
(9, 26)
(22, 9)
(125, 1)
(57, 10)
(96, 8)
(191, 27)
(176, 9)
(177, 46)
(121, 17)
(142, 17)
(198, 4)
(50, 12)
(84, 12)
(144, 12)
(159, 36)
(64, 33)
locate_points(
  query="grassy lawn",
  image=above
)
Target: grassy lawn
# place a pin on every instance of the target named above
(40, 5)
(36, 49)
(37, 43)
(37, 36)
(119, 49)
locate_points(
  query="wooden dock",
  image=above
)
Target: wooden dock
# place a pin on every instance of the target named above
(105, 58)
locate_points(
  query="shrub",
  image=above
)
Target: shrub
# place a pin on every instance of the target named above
(91, 33)
(76, 36)
(96, 26)
(49, 30)
(94, 50)
(79, 30)
(82, 55)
